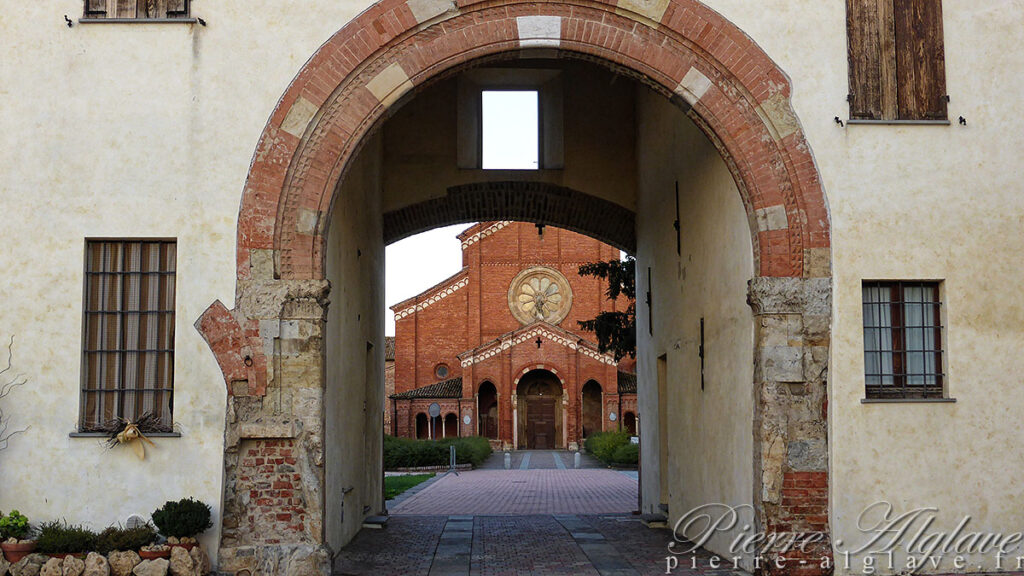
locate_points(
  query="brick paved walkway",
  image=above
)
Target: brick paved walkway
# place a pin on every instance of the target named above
(539, 460)
(541, 545)
(487, 492)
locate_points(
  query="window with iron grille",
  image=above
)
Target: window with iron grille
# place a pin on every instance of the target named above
(897, 60)
(128, 343)
(136, 9)
(902, 340)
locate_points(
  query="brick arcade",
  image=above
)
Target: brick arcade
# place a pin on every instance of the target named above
(497, 345)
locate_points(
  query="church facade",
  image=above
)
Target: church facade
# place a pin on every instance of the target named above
(497, 348)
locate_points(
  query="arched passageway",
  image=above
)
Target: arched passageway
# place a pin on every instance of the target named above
(487, 411)
(422, 426)
(451, 426)
(629, 423)
(323, 150)
(591, 407)
(539, 411)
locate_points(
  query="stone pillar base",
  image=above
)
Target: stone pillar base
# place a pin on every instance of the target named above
(275, 560)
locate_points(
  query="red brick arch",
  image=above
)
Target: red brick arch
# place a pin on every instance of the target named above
(738, 96)
(534, 366)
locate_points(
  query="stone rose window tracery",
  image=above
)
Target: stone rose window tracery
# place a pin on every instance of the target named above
(540, 293)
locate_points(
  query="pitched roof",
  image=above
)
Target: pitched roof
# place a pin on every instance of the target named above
(389, 348)
(523, 334)
(627, 383)
(451, 388)
(442, 289)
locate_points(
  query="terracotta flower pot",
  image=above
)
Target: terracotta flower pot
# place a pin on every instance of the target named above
(187, 546)
(15, 552)
(154, 554)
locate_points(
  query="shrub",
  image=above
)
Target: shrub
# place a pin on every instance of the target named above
(410, 453)
(626, 455)
(124, 539)
(603, 445)
(185, 518)
(14, 525)
(60, 538)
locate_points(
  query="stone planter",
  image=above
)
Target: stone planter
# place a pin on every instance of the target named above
(63, 555)
(15, 552)
(154, 554)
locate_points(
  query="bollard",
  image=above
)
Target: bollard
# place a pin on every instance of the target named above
(576, 461)
(508, 461)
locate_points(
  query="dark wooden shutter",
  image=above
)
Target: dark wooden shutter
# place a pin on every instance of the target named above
(95, 8)
(125, 9)
(872, 55)
(921, 60)
(177, 8)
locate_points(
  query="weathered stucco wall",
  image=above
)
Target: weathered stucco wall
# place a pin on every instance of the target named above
(128, 130)
(710, 430)
(354, 395)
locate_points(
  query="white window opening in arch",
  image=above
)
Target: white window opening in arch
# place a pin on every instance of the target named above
(511, 129)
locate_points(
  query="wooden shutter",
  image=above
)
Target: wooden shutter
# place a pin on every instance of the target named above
(95, 8)
(124, 9)
(872, 56)
(920, 60)
(177, 8)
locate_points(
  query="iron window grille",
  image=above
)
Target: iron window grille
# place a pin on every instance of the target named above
(128, 331)
(903, 340)
(136, 9)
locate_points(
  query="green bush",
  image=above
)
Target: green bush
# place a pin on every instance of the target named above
(410, 453)
(626, 455)
(14, 525)
(185, 518)
(60, 538)
(604, 445)
(125, 539)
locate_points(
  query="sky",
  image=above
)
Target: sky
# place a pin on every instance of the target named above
(416, 263)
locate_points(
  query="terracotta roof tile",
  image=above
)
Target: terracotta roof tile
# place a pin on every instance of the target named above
(451, 388)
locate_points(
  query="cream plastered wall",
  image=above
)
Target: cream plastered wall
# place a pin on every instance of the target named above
(148, 130)
(710, 431)
(354, 351)
(921, 202)
(128, 130)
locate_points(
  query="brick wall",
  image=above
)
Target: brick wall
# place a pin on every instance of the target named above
(270, 489)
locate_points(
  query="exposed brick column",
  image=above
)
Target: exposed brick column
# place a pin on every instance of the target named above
(791, 431)
(274, 462)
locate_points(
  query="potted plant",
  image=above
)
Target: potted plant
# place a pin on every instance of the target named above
(59, 540)
(116, 538)
(14, 529)
(180, 522)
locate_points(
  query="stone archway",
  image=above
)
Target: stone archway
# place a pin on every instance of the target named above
(690, 54)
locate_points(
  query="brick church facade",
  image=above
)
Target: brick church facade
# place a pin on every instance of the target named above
(497, 347)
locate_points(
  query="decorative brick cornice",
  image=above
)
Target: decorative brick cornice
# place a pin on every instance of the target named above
(432, 296)
(527, 334)
(466, 243)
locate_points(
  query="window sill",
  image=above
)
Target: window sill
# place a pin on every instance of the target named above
(908, 400)
(103, 435)
(855, 121)
(137, 20)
